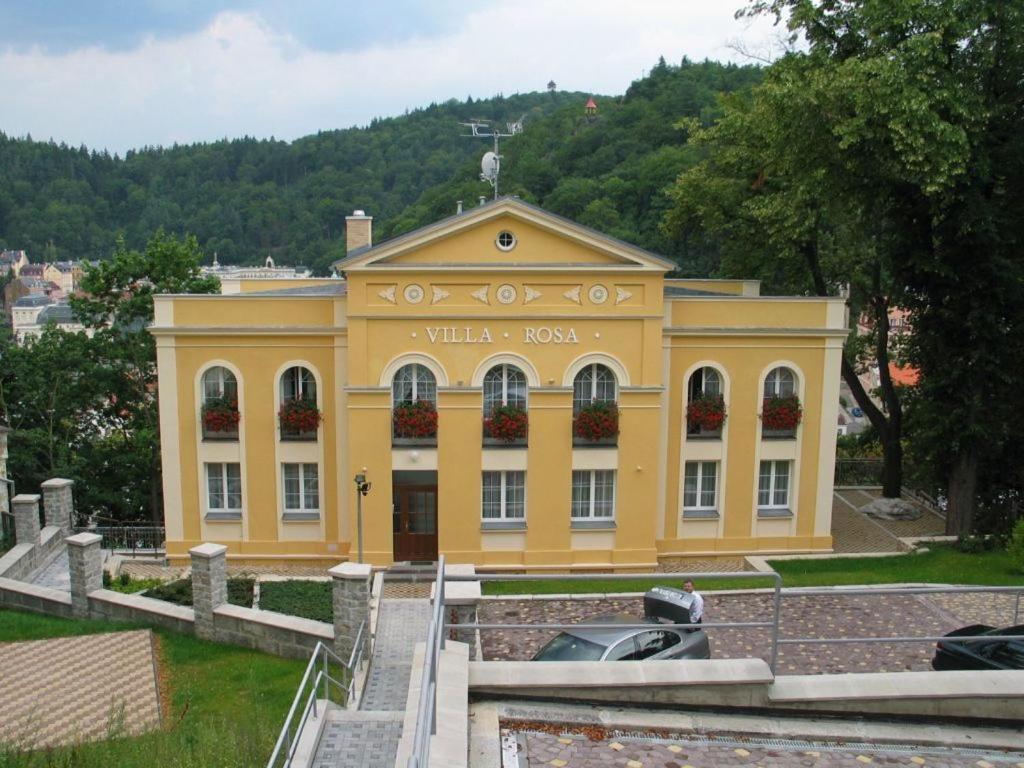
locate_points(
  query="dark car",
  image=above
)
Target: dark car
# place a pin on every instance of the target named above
(662, 605)
(979, 654)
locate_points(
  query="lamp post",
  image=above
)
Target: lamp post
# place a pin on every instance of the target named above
(362, 488)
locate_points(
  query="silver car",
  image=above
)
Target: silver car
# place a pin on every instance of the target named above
(662, 605)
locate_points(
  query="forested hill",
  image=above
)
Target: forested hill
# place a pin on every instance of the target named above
(607, 171)
(247, 198)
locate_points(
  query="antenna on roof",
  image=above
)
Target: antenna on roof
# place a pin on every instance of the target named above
(490, 165)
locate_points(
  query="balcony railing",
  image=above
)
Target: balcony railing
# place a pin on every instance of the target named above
(220, 434)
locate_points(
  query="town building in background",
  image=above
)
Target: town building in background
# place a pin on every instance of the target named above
(521, 392)
(231, 277)
(12, 261)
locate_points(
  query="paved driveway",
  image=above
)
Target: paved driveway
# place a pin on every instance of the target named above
(828, 616)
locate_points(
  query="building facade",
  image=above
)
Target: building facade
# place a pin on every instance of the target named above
(520, 392)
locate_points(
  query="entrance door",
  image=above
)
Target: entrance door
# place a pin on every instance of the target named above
(415, 522)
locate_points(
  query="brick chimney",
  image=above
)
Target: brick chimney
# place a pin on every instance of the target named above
(358, 231)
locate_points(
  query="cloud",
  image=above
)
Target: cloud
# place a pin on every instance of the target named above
(240, 75)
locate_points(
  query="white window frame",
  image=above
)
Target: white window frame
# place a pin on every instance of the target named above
(699, 507)
(303, 468)
(416, 370)
(507, 369)
(580, 399)
(222, 472)
(302, 383)
(218, 375)
(503, 504)
(774, 475)
(589, 515)
(773, 382)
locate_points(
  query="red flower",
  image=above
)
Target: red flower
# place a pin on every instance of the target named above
(781, 413)
(507, 423)
(299, 415)
(706, 412)
(220, 414)
(417, 419)
(597, 421)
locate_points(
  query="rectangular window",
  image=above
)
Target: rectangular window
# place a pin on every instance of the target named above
(593, 494)
(700, 485)
(773, 485)
(504, 497)
(301, 488)
(223, 487)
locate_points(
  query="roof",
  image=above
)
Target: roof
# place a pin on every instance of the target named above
(677, 291)
(591, 104)
(493, 208)
(59, 314)
(336, 288)
(34, 300)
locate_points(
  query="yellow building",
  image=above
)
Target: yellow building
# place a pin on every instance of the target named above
(517, 390)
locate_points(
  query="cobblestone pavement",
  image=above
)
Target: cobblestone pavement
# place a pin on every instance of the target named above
(812, 616)
(577, 751)
(853, 531)
(158, 569)
(77, 688)
(369, 738)
(410, 589)
(700, 565)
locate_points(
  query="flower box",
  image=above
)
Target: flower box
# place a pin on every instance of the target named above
(597, 423)
(780, 416)
(705, 416)
(416, 420)
(507, 425)
(220, 419)
(299, 419)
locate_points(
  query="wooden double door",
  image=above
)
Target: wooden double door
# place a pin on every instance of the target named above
(414, 522)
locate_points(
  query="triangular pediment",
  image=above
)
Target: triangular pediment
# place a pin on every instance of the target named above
(470, 240)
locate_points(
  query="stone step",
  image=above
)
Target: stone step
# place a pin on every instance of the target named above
(354, 738)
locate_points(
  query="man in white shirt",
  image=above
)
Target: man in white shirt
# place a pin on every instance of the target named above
(697, 609)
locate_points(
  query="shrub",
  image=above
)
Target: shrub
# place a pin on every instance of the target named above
(1016, 545)
(179, 592)
(124, 579)
(706, 412)
(308, 599)
(220, 414)
(299, 415)
(597, 421)
(781, 413)
(417, 419)
(507, 423)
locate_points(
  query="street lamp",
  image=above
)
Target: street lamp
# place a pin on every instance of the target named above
(362, 488)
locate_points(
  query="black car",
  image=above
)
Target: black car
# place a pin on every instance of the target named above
(979, 654)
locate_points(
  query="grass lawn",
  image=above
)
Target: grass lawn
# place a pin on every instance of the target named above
(942, 564)
(226, 704)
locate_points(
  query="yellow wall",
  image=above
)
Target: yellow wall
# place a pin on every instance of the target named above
(615, 310)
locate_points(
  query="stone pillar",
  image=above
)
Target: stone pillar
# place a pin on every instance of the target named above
(58, 505)
(26, 518)
(351, 600)
(461, 599)
(85, 563)
(4, 490)
(209, 585)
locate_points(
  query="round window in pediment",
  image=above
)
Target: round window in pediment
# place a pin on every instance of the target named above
(505, 241)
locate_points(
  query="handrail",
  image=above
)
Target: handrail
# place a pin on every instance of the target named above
(287, 742)
(426, 715)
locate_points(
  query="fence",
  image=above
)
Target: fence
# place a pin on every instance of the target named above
(6, 531)
(426, 715)
(854, 473)
(133, 539)
(322, 682)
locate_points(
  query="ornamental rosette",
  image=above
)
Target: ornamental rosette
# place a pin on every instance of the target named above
(418, 419)
(220, 414)
(706, 412)
(507, 423)
(300, 415)
(597, 421)
(781, 413)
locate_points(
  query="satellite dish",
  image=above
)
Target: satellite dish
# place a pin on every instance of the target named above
(489, 167)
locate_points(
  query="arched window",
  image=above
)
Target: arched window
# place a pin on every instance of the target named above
(414, 382)
(704, 382)
(594, 383)
(298, 383)
(781, 382)
(705, 409)
(504, 385)
(219, 382)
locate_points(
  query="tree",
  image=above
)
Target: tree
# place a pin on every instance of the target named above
(766, 195)
(920, 103)
(117, 306)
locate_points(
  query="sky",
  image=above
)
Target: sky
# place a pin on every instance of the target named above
(121, 74)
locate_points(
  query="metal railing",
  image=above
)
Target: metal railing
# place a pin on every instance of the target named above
(130, 538)
(317, 679)
(426, 716)
(6, 531)
(854, 473)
